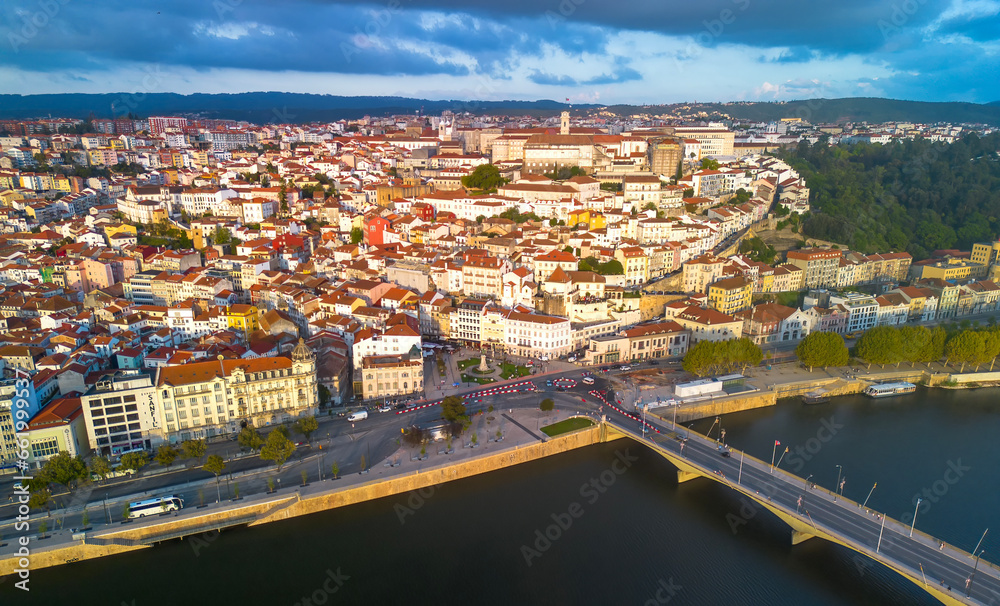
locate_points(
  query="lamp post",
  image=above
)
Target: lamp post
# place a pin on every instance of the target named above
(968, 585)
(915, 509)
(107, 514)
(777, 443)
(836, 487)
(807, 481)
(869, 495)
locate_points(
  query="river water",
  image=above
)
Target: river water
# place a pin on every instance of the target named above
(620, 530)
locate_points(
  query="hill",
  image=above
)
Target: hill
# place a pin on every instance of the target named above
(270, 107)
(918, 196)
(258, 107)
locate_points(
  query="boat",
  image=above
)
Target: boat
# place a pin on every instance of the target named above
(884, 390)
(815, 397)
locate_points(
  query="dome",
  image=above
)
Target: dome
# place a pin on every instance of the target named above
(302, 353)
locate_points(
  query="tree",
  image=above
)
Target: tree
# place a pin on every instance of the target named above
(967, 347)
(484, 177)
(822, 349)
(194, 449)
(453, 409)
(709, 164)
(357, 235)
(649, 206)
(283, 198)
(913, 343)
(324, 394)
(699, 359)
(306, 426)
(414, 436)
(222, 235)
(214, 464)
(134, 461)
(335, 469)
(39, 499)
(250, 438)
(992, 345)
(165, 455)
(64, 469)
(101, 467)
(880, 345)
(277, 448)
(546, 405)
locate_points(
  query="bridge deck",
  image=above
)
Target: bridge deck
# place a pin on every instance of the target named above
(946, 572)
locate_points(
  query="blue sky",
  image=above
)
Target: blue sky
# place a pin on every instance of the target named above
(596, 51)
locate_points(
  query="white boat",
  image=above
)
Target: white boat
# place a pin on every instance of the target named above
(884, 390)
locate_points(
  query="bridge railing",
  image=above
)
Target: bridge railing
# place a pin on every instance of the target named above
(898, 526)
(892, 523)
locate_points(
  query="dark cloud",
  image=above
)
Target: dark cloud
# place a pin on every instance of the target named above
(551, 79)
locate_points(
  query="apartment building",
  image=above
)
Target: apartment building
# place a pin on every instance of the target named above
(203, 399)
(122, 412)
(391, 376)
(730, 295)
(820, 265)
(534, 335)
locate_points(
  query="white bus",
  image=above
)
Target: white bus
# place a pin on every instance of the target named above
(152, 507)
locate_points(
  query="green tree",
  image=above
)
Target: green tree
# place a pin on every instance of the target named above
(277, 448)
(992, 345)
(967, 347)
(165, 455)
(700, 358)
(881, 345)
(194, 449)
(40, 499)
(306, 426)
(222, 235)
(215, 465)
(913, 343)
(484, 177)
(283, 199)
(335, 469)
(134, 461)
(324, 394)
(65, 469)
(453, 409)
(709, 164)
(822, 349)
(101, 467)
(357, 235)
(546, 405)
(934, 348)
(249, 438)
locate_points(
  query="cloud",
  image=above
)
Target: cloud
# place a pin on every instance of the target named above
(635, 51)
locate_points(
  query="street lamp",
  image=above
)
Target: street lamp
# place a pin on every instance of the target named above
(968, 585)
(915, 509)
(836, 486)
(807, 481)
(777, 443)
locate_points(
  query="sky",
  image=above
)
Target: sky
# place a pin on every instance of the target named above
(589, 51)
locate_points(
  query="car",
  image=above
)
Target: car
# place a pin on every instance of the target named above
(548, 383)
(571, 359)
(653, 362)
(560, 388)
(400, 406)
(725, 453)
(588, 380)
(409, 405)
(385, 408)
(625, 368)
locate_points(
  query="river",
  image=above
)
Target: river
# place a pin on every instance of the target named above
(620, 530)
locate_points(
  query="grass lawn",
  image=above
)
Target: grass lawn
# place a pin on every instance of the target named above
(463, 364)
(566, 426)
(467, 378)
(509, 371)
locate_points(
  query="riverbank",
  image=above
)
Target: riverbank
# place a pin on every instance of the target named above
(766, 390)
(262, 509)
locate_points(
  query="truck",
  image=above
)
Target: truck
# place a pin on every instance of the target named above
(359, 415)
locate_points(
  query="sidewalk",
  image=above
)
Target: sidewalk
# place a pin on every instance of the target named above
(515, 427)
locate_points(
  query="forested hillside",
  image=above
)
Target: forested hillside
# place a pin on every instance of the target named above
(916, 196)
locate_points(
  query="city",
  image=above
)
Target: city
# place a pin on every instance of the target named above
(285, 330)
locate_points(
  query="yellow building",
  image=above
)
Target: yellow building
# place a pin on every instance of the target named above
(242, 318)
(730, 295)
(592, 218)
(953, 269)
(635, 263)
(112, 230)
(985, 253)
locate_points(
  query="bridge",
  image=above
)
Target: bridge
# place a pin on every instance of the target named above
(948, 573)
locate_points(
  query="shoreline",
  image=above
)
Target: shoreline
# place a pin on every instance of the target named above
(305, 500)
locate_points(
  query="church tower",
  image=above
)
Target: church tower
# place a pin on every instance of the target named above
(564, 124)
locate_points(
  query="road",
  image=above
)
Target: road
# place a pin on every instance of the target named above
(946, 566)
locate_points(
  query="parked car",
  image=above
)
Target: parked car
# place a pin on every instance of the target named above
(384, 408)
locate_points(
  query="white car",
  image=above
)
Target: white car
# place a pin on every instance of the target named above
(571, 359)
(385, 408)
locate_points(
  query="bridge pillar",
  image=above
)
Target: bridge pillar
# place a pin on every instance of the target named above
(684, 476)
(798, 536)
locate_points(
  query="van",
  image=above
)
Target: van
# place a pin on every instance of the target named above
(588, 380)
(360, 415)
